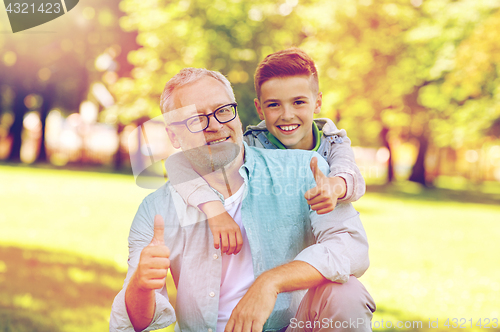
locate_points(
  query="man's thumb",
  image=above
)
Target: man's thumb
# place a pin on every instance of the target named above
(317, 173)
(159, 227)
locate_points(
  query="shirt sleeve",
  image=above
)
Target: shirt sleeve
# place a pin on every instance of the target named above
(342, 163)
(341, 246)
(140, 236)
(193, 189)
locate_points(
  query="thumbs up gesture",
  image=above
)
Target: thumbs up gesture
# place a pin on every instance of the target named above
(324, 196)
(154, 262)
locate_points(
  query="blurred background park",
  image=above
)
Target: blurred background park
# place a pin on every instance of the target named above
(416, 84)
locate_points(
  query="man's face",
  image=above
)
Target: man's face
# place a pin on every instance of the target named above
(218, 144)
(288, 104)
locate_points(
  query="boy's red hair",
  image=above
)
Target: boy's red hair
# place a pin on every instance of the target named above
(290, 62)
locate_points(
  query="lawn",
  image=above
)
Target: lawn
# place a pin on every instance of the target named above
(434, 255)
(63, 251)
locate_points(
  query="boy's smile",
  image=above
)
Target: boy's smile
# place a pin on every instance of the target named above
(287, 104)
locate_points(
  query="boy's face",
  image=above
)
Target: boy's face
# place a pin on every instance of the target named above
(287, 104)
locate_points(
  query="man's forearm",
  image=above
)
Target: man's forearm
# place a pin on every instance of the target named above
(141, 305)
(258, 302)
(292, 276)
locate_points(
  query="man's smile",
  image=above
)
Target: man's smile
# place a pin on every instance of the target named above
(216, 141)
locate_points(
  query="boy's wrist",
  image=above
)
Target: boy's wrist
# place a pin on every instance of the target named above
(212, 208)
(340, 186)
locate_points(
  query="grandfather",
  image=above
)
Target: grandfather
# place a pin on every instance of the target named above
(288, 249)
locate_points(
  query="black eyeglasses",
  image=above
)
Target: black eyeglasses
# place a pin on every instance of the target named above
(200, 122)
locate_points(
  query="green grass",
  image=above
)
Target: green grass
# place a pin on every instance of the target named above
(434, 253)
(77, 212)
(63, 250)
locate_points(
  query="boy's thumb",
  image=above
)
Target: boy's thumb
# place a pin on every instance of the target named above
(317, 173)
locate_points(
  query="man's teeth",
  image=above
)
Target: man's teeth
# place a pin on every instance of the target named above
(217, 141)
(289, 128)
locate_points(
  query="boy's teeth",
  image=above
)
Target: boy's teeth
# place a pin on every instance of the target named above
(217, 141)
(288, 128)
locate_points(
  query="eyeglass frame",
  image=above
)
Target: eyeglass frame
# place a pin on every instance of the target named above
(184, 122)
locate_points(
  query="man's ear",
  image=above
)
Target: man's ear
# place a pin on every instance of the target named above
(319, 101)
(259, 109)
(173, 138)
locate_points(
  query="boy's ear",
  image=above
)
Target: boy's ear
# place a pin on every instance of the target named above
(319, 102)
(259, 109)
(173, 138)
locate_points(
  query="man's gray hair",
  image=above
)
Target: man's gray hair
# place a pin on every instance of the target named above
(187, 76)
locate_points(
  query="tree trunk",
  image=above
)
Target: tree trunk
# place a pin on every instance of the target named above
(16, 130)
(48, 98)
(118, 159)
(418, 170)
(390, 164)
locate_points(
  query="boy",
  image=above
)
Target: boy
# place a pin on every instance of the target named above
(287, 89)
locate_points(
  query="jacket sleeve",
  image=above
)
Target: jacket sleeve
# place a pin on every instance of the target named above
(341, 245)
(193, 189)
(342, 162)
(140, 236)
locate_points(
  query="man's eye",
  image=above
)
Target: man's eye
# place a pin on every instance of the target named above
(224, 110)
(194, 121)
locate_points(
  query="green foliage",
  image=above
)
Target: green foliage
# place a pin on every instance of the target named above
(61, 54)
(380, 61)
(228, 36)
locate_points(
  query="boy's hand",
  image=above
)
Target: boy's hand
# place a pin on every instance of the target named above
(226, 232)
(323, 197)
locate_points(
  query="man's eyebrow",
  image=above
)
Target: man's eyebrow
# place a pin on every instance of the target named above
(213, 107)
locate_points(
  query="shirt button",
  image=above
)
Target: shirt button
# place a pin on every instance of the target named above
(212, 294)
(215, 256)
(210, 330)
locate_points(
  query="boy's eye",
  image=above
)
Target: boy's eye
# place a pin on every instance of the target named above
(299, 102)
(272, 105)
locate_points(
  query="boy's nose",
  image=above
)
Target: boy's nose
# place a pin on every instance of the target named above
(287, 113)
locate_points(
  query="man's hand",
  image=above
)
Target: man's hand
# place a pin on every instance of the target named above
(254, 308)
(225, 230)
(154, 263)
(150, 275)
(323, 197)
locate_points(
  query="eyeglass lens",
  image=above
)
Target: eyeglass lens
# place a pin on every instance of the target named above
(222, 115)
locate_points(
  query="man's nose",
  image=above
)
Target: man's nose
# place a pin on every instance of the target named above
(213, 124)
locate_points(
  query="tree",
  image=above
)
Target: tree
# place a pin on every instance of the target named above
(228, 36)
(59, 67)
(385, 64)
